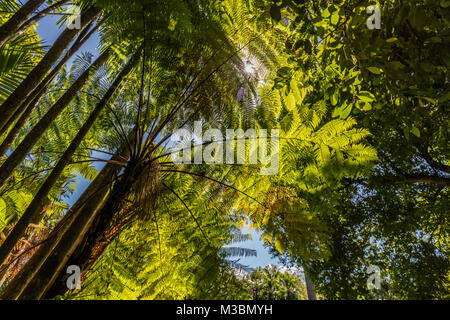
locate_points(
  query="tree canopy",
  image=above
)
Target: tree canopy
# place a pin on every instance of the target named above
(346, 101)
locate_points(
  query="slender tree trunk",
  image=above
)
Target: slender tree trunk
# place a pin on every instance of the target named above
(15, 99)
(39, 199)
(19, 154)
(75, 219)
(34, 19)
(52, 280)
(76, 246)
(310, 288)
(6, 144)
(27, 108)
(8, 29)
(14, 160)
(54, 266)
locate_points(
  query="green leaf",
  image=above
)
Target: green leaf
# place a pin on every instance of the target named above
(375, 70)
(406, 132)
(290, 102)
(431, 100)
(343, 111)
(279, 246)
(335, 18)
(366, 96)
(326, 13)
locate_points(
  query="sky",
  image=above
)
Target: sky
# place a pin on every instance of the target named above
(49, 31)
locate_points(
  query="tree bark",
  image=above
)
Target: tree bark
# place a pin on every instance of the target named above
(8, 29)
(54, 281)
(310, 288)
(26, 87)
(27, 108)
(71, 225)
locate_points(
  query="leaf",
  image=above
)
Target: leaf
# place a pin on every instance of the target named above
(307, 46)
(445, 4)
(367, 106)
(266, 237)
(415, 131)
(335, 18)
(366, 96)
(375, 70)
(390, 40)
(335, 98)
(326, 13)
(343, 111)
(435, 39)
(290, 102)
(285, 72)
(431, 100)
(279, 246)
(445, 97)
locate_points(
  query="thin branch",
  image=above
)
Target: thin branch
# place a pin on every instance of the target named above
(189, 210)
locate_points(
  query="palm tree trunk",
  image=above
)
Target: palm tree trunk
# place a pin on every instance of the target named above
(39, 199)
(14, 160)
(52, 280)
(76, 246)
(75, 219)
(77, 241)
(27, 108)
(310, 288)
(8, 29)
(15, 99)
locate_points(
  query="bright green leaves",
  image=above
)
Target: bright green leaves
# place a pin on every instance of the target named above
(284, 75)
(333, 13)
(3, 218)
(335, 17)
(12, 205)
(290, 102)
(279, 246)
(334, 97)
(343, 111)
(366, 98)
